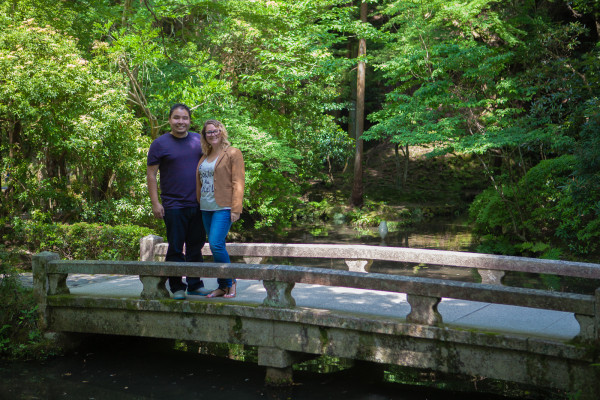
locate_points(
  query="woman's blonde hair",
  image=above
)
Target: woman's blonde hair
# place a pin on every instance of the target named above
(206, 147)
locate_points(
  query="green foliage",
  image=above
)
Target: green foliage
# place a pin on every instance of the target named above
(82, 241)
(490, 79)
(455, 82)
(67, 138)
(20, 336)
(549, 221)
(87, 85)
(263, 68)
(284, 75)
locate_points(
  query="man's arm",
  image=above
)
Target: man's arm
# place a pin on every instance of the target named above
(157, 208)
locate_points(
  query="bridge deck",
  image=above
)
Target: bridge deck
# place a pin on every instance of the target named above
(458, 313)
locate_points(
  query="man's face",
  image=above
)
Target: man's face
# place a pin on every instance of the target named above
(179, 121)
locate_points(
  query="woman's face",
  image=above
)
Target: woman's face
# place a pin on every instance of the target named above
(213, 135)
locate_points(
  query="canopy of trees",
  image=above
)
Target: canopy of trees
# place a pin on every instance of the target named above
(86, 85)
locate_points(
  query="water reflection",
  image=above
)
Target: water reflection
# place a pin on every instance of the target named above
(122, 368)
(443, 234)
(453, 234)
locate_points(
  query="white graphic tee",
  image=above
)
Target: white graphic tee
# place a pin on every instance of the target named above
(207, 192)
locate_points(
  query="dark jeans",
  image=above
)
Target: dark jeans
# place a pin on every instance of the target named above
(184, 226)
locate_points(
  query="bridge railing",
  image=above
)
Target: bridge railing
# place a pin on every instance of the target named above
(423, 294)
(359, 258)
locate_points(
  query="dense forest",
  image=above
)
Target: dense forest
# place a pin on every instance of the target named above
(514, 86)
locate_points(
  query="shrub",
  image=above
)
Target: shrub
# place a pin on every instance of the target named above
(538, 215)
(20, 336)
(82, 240)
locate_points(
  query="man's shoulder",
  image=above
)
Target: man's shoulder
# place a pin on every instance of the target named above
(162, 138)
(194, 136)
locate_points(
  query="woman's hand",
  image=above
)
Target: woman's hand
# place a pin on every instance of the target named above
(235, 217)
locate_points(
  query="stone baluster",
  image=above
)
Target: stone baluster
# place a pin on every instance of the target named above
(57, 284)
(423, 310)
(279, 294)
(359, 265)
(589, 325)
(154, 287)
(254, 260)
(491, 276)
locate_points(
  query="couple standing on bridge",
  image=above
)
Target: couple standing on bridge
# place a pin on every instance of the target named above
(202, 189)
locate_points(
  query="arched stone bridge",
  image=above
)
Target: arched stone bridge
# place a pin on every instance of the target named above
(545, 338)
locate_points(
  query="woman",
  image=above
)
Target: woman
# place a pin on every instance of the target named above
(220, 192)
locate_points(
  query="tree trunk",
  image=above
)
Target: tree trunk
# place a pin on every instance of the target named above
(406, 160)
(137, 96)
(401, 173)
(357, 187)
(126, 12)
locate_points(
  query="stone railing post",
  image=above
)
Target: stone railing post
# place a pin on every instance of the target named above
(154, 286)
(589, 325)
(491, 276)
(41, 283)
(359, 265)
(279, 294)
(423, 310)
(147, 244)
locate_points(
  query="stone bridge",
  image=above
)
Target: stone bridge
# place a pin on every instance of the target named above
(421, 331)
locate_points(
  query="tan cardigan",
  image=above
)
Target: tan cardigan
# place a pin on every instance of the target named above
(229, 179)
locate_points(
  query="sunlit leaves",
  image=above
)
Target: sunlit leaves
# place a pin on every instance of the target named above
(71, 136)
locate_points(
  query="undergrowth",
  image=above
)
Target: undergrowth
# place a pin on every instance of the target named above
(20, 333)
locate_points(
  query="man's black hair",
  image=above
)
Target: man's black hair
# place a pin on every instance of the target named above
(180, 105)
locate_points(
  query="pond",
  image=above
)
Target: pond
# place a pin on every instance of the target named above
(122, 368)
(441, 233)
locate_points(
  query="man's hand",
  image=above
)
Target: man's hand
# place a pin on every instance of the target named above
(157, 208)
(235, 217)
(158, 211)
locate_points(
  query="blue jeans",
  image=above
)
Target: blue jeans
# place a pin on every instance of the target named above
(184, 226)
(217, 224)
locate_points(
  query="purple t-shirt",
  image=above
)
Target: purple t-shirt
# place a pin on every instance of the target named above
(177, 161)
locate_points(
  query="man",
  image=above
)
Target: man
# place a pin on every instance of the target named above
(176, 154)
